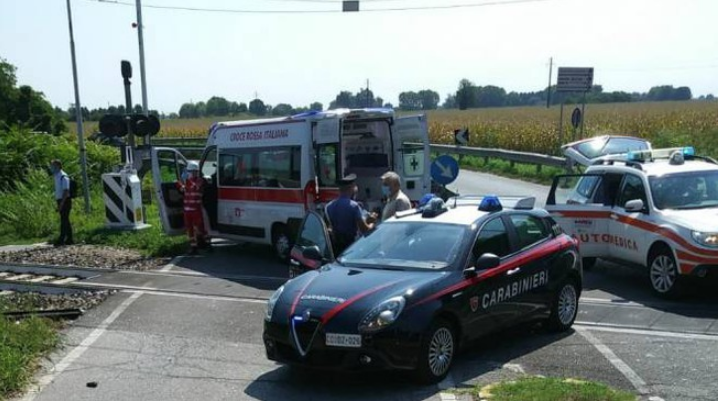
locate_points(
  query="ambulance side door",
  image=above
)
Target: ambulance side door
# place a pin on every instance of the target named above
(581, 205)
(410, 140)
(326, 161)
(167, 167)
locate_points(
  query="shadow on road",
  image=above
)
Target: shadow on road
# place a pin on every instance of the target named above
(631, 284)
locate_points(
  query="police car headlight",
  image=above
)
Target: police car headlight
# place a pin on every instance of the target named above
(382, 315)
(707, 239)
(273, 301)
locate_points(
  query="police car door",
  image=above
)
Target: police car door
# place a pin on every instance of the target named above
(312, 248)
(483, 310)
(627, 241)
(410, 139)
(581, 204)
(167, 168)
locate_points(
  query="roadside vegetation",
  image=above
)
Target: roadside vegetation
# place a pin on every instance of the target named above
(549, 389)
(22, 345)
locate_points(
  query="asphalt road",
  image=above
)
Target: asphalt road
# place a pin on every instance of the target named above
(193, 331)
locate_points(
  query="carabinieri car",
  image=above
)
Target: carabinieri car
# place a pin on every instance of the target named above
(408, 295)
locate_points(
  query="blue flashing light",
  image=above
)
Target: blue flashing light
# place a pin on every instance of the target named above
(425, 199)
(689, 151)
(490, 203)
(635, 156)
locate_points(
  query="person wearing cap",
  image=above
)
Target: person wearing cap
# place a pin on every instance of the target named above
(396, 200)
(346, 217)
(192, 187)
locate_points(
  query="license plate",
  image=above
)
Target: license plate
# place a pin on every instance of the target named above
(344, 340)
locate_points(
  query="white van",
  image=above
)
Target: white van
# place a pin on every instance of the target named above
(264, 175)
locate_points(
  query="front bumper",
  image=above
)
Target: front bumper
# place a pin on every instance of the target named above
(390, 349)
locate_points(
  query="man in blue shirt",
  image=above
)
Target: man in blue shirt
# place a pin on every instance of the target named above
(64, 202)
(346, 216)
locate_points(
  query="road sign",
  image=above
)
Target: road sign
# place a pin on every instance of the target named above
(576, 118)
(574, 79)
(444, 170)
(461, 136)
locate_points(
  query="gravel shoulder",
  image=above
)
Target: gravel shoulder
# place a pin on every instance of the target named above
(102, 257)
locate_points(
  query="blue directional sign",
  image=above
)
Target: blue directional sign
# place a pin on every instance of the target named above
(444, 170)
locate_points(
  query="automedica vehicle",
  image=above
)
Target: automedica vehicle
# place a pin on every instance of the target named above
(424, 283)
(656, 209)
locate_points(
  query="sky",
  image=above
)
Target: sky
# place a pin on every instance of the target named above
(299, 58)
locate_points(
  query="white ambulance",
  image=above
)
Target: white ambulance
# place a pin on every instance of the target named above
(264, 175)
(656, 209)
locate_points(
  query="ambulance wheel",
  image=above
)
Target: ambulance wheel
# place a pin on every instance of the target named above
(437, 352)
(665, 279)
(281, 242)
(564, 307)
(588, 263)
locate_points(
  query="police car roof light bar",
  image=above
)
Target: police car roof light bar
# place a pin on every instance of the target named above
(490, 203)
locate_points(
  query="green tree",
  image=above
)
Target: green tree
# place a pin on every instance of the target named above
(317, 106)
(449, 102)
(429, 99)
(257, 107)
(217, 106)
(242, 108)
(344, 99)
(188, 110)
(409, 101)
(282, 109)
(466, 95)
(491, 96)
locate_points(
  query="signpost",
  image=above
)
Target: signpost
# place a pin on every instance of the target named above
(576, 118)
(574, 79)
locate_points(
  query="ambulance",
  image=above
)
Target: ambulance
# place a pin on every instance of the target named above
(655, 209)
(264, 175)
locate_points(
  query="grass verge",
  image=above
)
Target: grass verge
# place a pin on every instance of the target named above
(28, 214)
(550, 389)
(22, 344)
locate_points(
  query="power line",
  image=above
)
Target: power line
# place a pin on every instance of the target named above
(241, 11)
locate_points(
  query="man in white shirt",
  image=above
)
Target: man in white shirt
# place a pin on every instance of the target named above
(64, 202)
(396, 200)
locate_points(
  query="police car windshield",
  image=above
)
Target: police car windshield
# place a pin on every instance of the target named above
(694, 190)
(407, 245)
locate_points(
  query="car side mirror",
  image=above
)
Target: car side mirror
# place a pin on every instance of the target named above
(313, 253)
(487, 261)
(470, 272)
(635, 205)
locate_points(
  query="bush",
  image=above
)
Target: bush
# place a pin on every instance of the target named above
(22, 151)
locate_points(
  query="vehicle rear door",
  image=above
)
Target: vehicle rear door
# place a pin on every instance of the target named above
(410, 140)
(168, 165)
(582, 204)
(313, 233)
(587, 151)
(326, 163)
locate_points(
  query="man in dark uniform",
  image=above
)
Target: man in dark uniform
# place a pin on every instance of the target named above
(346, 216)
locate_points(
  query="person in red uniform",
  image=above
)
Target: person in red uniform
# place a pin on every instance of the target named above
(193, 187)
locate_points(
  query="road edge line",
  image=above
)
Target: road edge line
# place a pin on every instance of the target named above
(80, 349)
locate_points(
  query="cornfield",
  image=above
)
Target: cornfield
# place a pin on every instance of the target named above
(535, 129)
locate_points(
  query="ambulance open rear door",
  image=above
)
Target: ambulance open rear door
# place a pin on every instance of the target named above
(167, 167)
(410, 139)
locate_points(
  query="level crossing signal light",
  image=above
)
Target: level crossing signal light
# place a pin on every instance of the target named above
(115, 125)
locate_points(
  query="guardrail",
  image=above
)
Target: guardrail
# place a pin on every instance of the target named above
(512, 156)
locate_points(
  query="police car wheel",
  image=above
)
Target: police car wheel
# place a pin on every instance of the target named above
(564, 307)
(437, 352)
(663, 273)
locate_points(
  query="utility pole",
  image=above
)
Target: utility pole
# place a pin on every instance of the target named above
(78, 114)
(367, 93)
(141, 41)
(548, 89)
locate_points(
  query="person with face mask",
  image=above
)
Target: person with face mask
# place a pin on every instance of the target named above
(193, 187)
(64, 202)
(396, 200)
(346, 216)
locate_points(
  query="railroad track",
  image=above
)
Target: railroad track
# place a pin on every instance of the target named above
(42, 279)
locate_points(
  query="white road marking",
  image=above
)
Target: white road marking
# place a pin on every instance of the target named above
(514, 367)
(198, 296)
(77, 352)
(172, 263)
(655, 333)
(617, 362)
